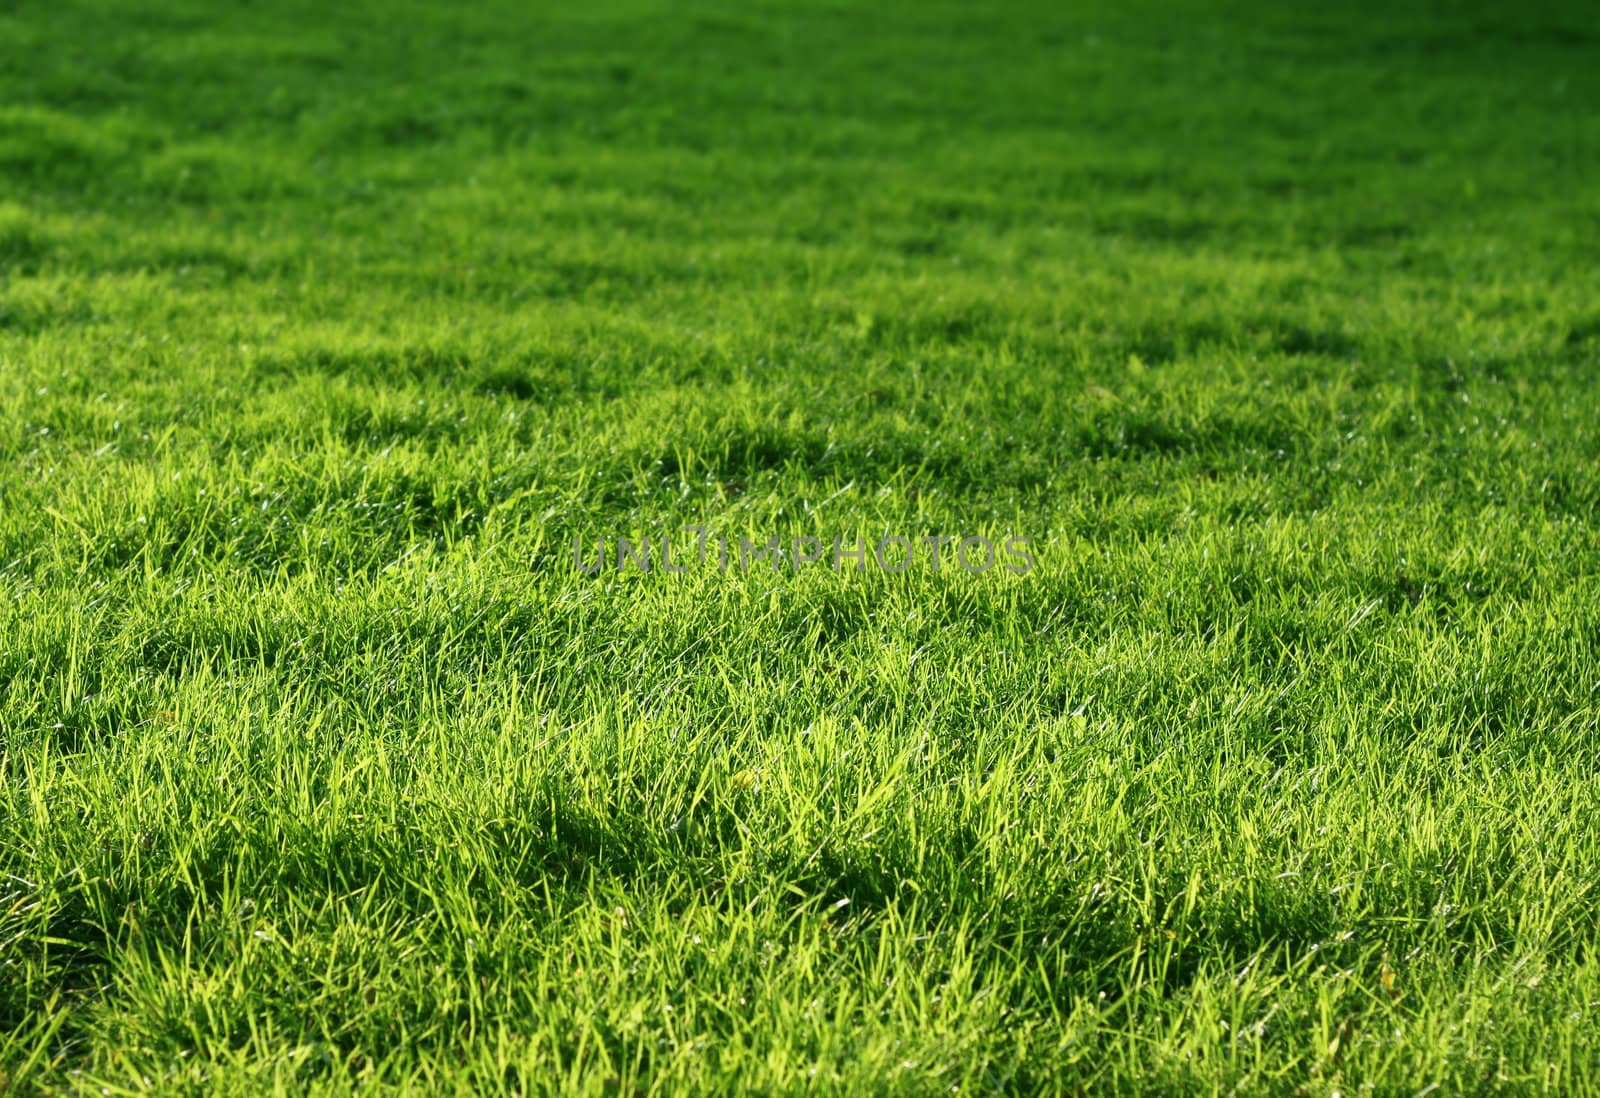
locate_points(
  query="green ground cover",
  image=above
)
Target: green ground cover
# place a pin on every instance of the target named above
(324, 330)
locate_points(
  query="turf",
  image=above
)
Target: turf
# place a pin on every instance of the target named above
(326, 329)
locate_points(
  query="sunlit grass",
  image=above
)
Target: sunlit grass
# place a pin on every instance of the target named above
(324, 332)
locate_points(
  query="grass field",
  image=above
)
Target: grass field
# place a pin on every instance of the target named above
(326, 330)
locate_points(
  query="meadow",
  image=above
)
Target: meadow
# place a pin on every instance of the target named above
(326, 330)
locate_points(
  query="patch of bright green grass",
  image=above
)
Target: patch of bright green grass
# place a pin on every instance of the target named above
(325, 329)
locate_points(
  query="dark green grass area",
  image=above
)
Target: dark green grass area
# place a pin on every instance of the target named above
(324, 329)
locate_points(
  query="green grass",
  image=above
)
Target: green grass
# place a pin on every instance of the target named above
(324, 329)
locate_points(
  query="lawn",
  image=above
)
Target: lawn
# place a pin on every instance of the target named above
(337, 340)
